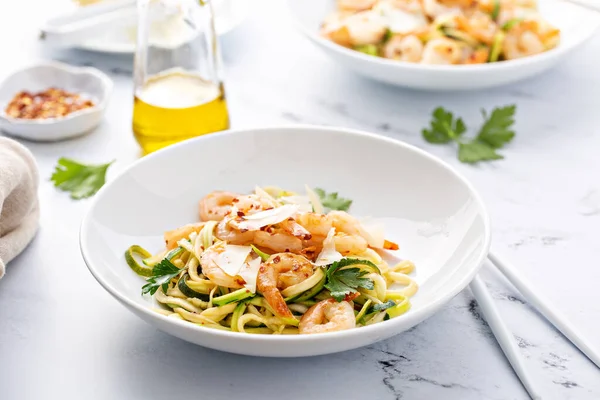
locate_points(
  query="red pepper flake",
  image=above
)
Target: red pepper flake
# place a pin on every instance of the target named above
(351, 296)
(240, 214)
(51, 103)
(276, 259)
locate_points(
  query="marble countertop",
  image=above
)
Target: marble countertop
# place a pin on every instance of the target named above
(63, 336)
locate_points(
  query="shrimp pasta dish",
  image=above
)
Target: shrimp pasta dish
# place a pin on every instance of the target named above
(447, 32)
(277, 262)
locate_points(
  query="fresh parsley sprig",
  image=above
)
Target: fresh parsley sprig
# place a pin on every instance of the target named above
(162, 273)
(331, 201)
(494, 134)
(81, 180)
(342, 282)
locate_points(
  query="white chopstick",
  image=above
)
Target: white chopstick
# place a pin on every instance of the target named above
(543, 306)
(503, 335)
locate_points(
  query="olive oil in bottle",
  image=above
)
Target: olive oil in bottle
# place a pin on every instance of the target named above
(177, 105)
(178, 88)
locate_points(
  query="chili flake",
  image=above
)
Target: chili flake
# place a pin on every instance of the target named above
(51, 103)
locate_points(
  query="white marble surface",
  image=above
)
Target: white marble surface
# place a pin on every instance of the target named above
(62, 336)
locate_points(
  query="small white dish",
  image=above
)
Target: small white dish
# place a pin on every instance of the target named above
(434, 214)
(121, 37)
(577, 25)
(90, 82)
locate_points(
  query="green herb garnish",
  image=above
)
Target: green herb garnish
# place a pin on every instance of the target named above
(80, 179)
(332, 201)
(383, 306)
(162, 273)
(342, 282)
(494, 134)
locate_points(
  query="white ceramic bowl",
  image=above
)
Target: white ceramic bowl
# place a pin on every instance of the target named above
(86, 80)
(428, 208)
(577, 25)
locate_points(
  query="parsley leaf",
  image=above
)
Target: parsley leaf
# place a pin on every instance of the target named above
(332, 201)
(475, 151)
(80, 179)
(494, 134)
(342, 282)
(383, 306)
(443, 127)
(495, 131)
(162, 273)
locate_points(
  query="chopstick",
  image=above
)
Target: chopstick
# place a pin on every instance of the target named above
(554, 316)
(503, 335)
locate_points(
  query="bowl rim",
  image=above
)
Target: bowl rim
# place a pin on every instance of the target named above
(347, 334)
(106, 82)
(556, 52)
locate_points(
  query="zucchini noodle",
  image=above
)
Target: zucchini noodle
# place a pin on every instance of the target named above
(190, 281)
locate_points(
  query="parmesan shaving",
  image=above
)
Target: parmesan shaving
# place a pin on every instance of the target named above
(268, 217)
(315, 200)
(303, 202)
(249, 273)
(260, 192)
(329, 254)
(233, 258)
(372, 231)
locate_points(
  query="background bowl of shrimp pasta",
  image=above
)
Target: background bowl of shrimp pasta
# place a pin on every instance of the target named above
(445, 44)
(428, 212)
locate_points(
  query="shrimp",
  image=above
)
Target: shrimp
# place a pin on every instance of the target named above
(442, 51)
(528, 38)
(481, 27)
(476, 56)
(233, 236)
(512, 11)
(281, 271)
(333, 28)
(316, 224)
(295, 229)
(349, 237)
(435, 8)
(355, 5)
(404, 48)
(247, 205)
(252, 203)
(327, 316)
(349, 244)
(214, 206)
(172, 237)
(365, 27)
(213, 272)
(277, 240)
(477, 27)
(343, 222)
(488, 6)
(410, 6)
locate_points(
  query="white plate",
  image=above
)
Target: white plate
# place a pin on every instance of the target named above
(429, 209)
(121, 39)
(577, 24)
(88, 81)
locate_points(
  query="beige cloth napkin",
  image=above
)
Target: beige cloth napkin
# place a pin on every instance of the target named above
(19, 208)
